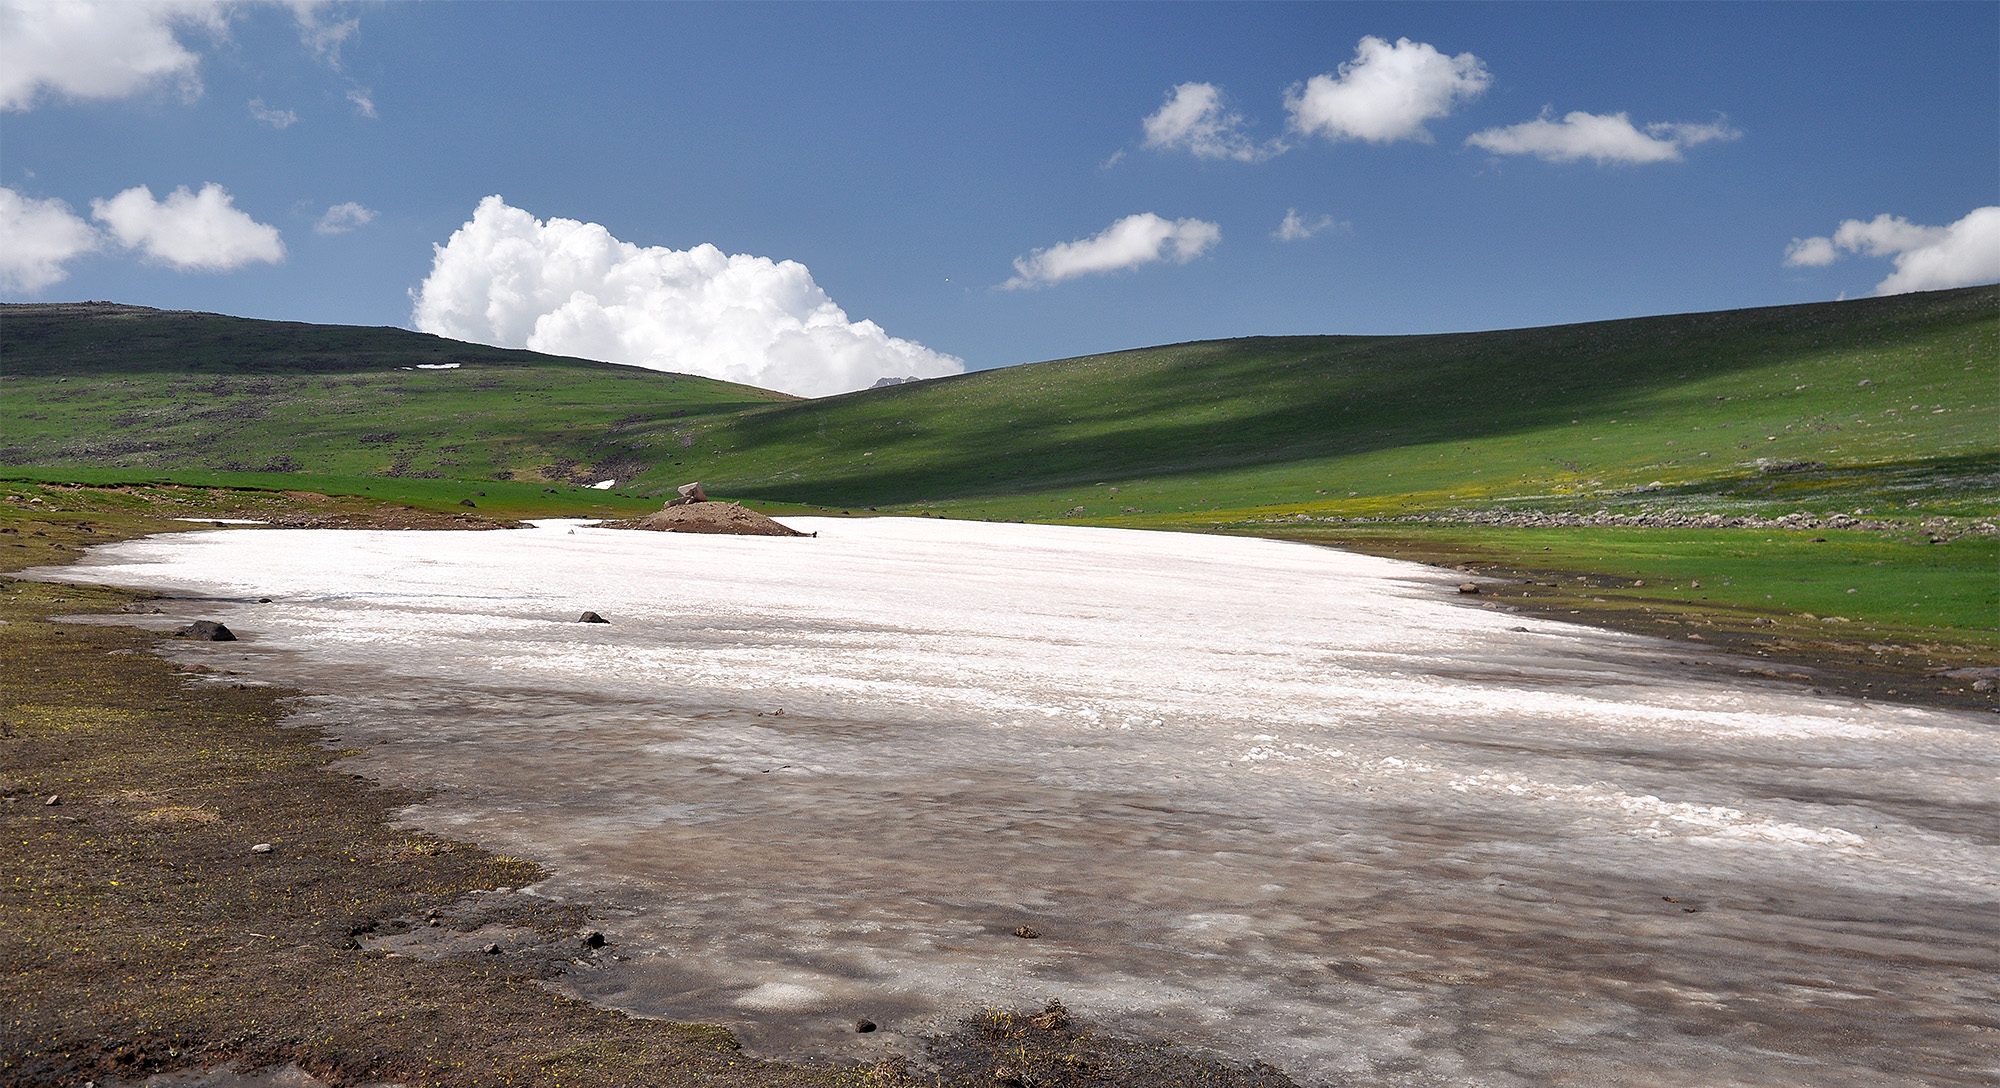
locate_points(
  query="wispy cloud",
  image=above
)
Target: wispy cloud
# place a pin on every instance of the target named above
(1296, 227)
(1386, 92)
(278, 119)
(37, 237)
(1927, 258)
(322, 32)
(1193, 119)
(192, 232)
(363, 101)
(1602, 137)
(342, 218)
(1130, 242)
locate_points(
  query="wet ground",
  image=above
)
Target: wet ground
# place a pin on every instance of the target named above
(1268, 799)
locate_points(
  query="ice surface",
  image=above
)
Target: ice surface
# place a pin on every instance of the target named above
(1276, 800)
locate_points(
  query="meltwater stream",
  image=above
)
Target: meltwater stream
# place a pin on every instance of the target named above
(1272, 800)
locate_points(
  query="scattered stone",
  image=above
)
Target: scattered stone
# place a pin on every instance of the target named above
(863, 1027)
(468, 502)
(1053, 1017)
(688, 493)
(260, 600)
(591, 617)
(593, 938)
(1696, 584)
(261, 848)
(1517, 629)
(1468, 587)
(491, 949)
(206, 631)
(1984, 685)
(54, 799)
(1028, 932)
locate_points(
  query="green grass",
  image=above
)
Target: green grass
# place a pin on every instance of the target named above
(1683, 411)
(1880, 584)
(103, 386)
(496, 499)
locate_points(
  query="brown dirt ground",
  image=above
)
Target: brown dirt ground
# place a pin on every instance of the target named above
(139, 933)
(708, 517)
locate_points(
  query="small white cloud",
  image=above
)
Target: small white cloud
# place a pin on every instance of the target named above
(1603, 137)
(193, 232)
(363, 102)
(99, 49)
(1193, 119)
(1128, 243)
(508, 279)
(1386, 92)
(1689, 134)
(1810, 253)
(1927, 258)
(278, 119)
(1296, 227)
(36, 238)
(342, 218)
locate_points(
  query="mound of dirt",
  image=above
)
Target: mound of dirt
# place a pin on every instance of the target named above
(709, 517)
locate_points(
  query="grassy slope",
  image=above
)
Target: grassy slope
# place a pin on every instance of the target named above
(1897, 396)
(1555, 418)
(98, 385)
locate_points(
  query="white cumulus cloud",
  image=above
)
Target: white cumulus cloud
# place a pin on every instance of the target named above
(193, 232)
(1603, 137)
(1193, 119)
(36, 238)
(1296, 227)
(278, 119)
(342, 218)
(560, 286)
(1386, 92)
(1128, 243)
(99, 49)
(1810, 253)
(1927, 258)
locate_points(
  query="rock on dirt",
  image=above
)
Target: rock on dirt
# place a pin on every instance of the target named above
(591, 617)
(709, 517)
(206, 631)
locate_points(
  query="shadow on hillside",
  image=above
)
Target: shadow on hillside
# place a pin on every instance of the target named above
(1267, 400)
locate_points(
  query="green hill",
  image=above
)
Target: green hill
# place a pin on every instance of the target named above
(1875, 404)
(1898, 398)
(106, 386)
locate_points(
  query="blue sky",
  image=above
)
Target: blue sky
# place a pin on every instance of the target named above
(908, 156)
